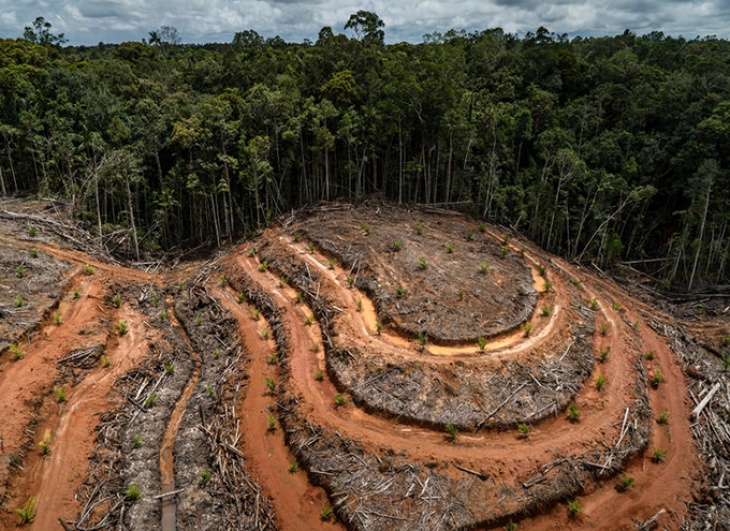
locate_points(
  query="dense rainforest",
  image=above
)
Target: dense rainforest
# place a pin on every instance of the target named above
(607, 150)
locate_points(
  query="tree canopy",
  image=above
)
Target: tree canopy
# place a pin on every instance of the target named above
(608, 149)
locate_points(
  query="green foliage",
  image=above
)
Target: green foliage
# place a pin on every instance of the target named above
(481, 343)
(133, 493)
(396, 246)
(170, 367)
(271, 419)
(89, 270)
(150, 400)
(451, 432)
(222, 281)
(45, 445)
(625, 483)
(544, 311)
(32, 231)
(526, 328)
(604, 328)
(20, 270)
(725, 341)
(542, 269)
(663, 418)
(61, 393)
(270, 385)
(34, 253)
(205, 475)
(137, 440)
(18, 301)
(56, 318)
(210, 391)
(240, 297)
(659, 455)
(106, 362)
(263, 266)
(658, 378)
(378, 327)
(649, 354)
(365, 228)
(419, 229)
(573, 413)
(574, 508)
(16, 351)
(27, 511)
(600, 382)
(524, 430)
(319, 376)
(399, 291)
(309, 320)
(121, 327)
(547, 285)
(327, 511)
(75, 293)
(469, 235)
(421, 339)
(484, 268)
(449, 249)
(273, 359)
(340, 400)
(603, 354)
(117, 300)
(293, 465)
(594, 304)
(422, 263)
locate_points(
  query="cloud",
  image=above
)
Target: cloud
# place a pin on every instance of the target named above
(91, 21)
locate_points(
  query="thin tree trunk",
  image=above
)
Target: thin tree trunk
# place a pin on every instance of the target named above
(702, 233)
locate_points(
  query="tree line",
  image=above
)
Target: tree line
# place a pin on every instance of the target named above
(604, 149)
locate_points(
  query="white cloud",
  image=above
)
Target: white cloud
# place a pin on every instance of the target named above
(91, 21)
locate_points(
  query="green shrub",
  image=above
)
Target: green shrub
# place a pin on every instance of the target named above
(117, 300)
(18, 301)
(469, 235)
(573, 413)
(170, 367)
(600, 383)
(34, 253)
(663, 418)
(451, 432)
(397, 244)
(545, 311)
(419, 228)
(603, 355)
(263, 266)
(340, 400)
(574, 508)
(32, 231)
(659, 455)
(484, 268)
(121, 327)
(319, 376)
(205, 476)
(272, 422)
(45, 445)
(137, 440)
(649, 354)
(150, 401)
(16, 351)
(293, 465)
(60, 393)
(625, 482)
(449, 248)
(657, 379)
(327, 511)
(422, 263)
(482, 343)
(524, 430)
(526, 329)
(594, 304)
(88, 269)
(56, 318)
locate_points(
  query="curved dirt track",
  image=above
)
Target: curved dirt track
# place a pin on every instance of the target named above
(286, 386)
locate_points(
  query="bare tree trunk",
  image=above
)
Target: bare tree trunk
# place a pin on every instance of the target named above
(702, 233)
(131, 219)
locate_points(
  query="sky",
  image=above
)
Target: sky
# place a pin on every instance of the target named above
(88, 22)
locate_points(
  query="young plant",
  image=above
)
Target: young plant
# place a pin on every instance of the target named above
(482, 343)
(659, 455)
(422, 263)
(617, 306)
(573, 413)
(505, 239)
(340, 400)
(251, 252)
(378, 327)
(399, 291)
(270, 385)
(460, 295)
(56, 318)
(163, 314)
(484, 268)
(332, 263)
(397, 244)
(309, 320)
(88, 269)
(574, 508)
(311, 247)
(419, 229)
(505, 251)
(524, 430)
(624, 483)
(482, 227)
(327, 511)
(527, 328)
(449, 248)
(511, 526)
(273, 359)
(547, 285)
(649, 354)
(32, 231)
(319, 376)
(272, 422)
(150, 400)
(210, 390)
(45, 445)
(263, 266)
(725, 362)
(544, 311)
(222, 281)
(365, 228)
(60, 393)
(469, 235)
(20, 270)
(725, 341)
(180, 286)
(106, 362)
(663, 418)
(137, 440)
(594, 304)
(76, 293)
(216, 353)
(603, 330)
(657, 379)
(358, 305)
(603, 355)
(16, 351)
(205, 476)
(451, 432)
(170, 367)
(600, 383)
(255, 314)
(18, 301)
(240, 297)
(293, 465)
(132, 493)
(27, 511)
(542, 269)
(422, 339)
(117, 300)
(155, 298)
(315, 347)
(350, 282)
(121, 327)
(265, 333)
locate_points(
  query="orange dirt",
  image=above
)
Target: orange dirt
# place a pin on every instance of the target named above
(30, 407)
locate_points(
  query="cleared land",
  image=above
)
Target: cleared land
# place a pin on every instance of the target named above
(401, 369)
